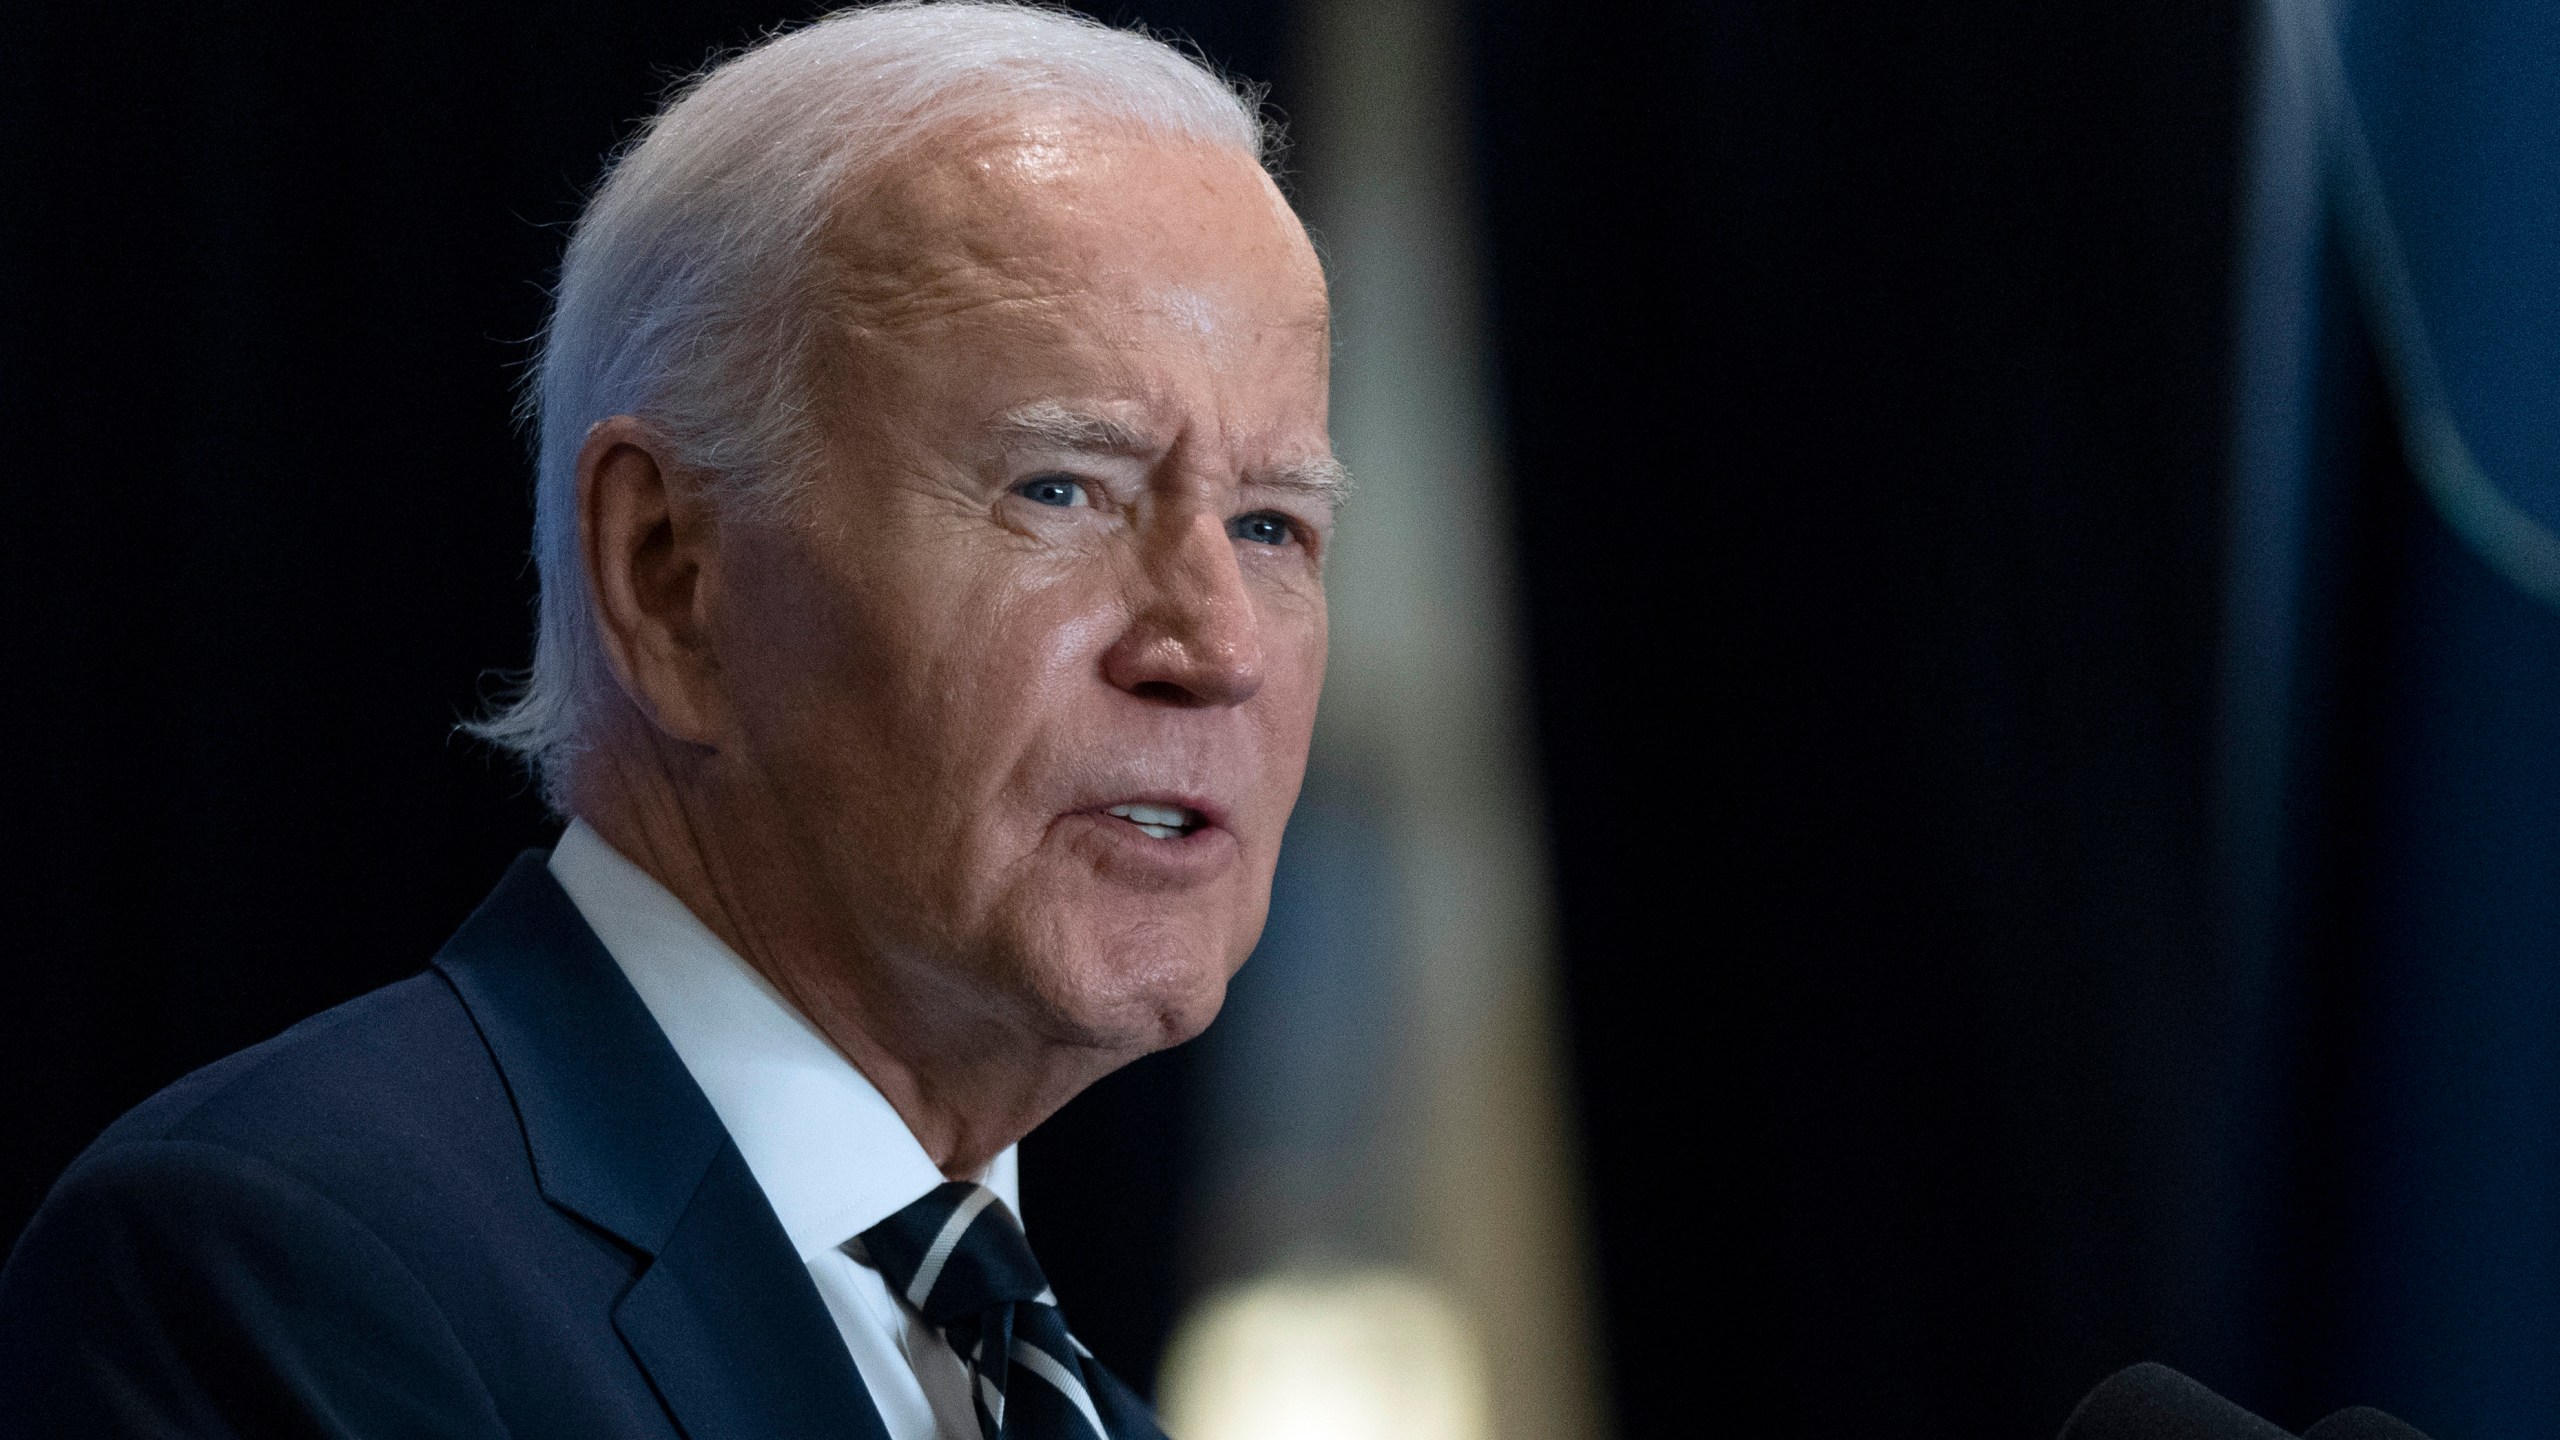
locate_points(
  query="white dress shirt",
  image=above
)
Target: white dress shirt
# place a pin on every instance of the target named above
(831, 1155)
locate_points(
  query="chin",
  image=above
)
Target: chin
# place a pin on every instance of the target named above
(1135, 992)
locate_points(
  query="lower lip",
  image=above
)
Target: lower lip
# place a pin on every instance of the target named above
(1123, 851)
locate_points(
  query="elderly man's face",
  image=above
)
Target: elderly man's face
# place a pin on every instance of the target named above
(1028, 681)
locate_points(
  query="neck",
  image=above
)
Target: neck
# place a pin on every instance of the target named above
(961, 1066)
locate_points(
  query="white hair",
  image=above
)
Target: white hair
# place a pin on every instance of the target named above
(691, 295)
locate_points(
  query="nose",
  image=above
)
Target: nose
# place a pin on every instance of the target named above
(1193, 639)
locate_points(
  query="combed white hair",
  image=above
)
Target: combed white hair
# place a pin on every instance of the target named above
(692, 296)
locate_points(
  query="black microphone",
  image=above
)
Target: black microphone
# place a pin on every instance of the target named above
(2363, 1422)
(2153, 1402)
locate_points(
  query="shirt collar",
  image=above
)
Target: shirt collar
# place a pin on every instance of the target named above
(829, 1151)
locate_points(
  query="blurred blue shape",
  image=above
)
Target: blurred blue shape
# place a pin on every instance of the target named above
(2392, 814)
(2458, 104)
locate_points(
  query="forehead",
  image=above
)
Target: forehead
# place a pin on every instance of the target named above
(1054, 214)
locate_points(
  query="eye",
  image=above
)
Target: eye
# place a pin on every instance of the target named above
(1056, 490)
(1263, 527)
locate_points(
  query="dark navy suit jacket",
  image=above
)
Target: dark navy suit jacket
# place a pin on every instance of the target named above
(485, 1201)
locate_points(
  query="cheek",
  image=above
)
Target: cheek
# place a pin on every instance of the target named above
(786, 634)
(1295, 648)
(1039, 641)
(990, 706)
(966, 649)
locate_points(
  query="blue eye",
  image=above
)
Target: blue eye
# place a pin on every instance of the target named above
(1262, 528)
(1055, 490)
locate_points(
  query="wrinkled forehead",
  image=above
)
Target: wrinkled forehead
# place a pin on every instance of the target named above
(1044, 211)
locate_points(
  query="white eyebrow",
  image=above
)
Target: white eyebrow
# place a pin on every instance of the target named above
(1321, 478)
(1067, 428)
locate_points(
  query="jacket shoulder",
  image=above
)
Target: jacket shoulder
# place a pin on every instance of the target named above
(264, 1247)
(389, 1107)
(384, 1070)
(171, 1287)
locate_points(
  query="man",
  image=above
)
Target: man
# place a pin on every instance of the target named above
(933, 499)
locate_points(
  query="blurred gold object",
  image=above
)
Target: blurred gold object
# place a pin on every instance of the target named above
(1347, 1355)
(1426, 701)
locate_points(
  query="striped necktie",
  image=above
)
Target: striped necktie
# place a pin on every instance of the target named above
(958, 1257)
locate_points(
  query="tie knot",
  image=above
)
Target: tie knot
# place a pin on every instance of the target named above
(955, 1254)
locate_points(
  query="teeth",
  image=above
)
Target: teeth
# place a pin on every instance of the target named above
(1163, 822)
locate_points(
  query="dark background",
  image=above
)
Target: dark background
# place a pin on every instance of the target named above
(1867, 392)
(1867, 379)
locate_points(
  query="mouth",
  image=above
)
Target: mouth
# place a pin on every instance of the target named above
(1160, 822)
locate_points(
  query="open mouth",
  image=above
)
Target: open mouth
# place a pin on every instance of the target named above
(1163, 822)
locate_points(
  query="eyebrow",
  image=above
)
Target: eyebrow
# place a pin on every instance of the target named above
(1319, 478)
(1067, 428)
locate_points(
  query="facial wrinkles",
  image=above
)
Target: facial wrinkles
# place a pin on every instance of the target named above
(1226, 346)
(935, 239)
(1077, 609)
(992, 646)
(945, 288)
(1202, 342)
(1032, 208)
(1221, 351)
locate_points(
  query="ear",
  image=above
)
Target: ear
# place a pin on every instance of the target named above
(647, 536)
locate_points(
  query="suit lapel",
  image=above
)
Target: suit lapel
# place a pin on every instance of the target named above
(722, 1323)
(723, 1318)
